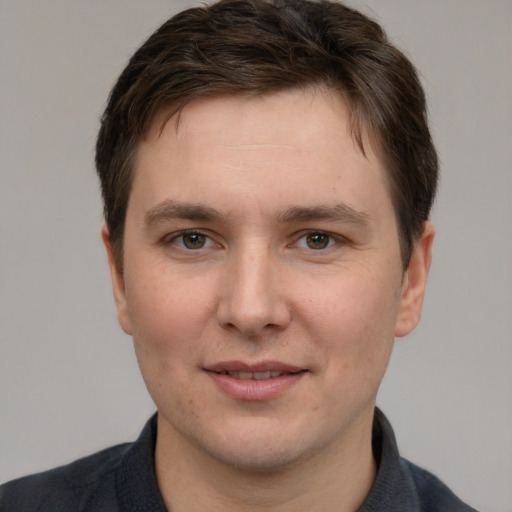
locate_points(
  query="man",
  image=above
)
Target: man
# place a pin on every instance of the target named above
(267, 174)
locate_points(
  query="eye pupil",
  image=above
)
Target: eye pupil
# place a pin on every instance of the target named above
(317, 241)
(193, 240)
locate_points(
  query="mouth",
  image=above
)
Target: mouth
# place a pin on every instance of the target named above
(242, 375)
(258, 382)
(241, 370)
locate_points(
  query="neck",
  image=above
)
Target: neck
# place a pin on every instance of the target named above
(337, 479)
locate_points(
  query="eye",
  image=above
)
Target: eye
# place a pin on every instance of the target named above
(190, 240)
(193, 240)
(316, 241)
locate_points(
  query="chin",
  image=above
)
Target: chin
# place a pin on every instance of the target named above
(267, 449)
(258, 459)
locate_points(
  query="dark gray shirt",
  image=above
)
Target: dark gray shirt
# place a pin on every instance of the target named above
(122, 479)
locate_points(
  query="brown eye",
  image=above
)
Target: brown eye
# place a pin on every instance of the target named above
(317, 240)
(194, 240)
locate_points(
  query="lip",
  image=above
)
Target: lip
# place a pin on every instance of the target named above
(263, 366)
(252, 389)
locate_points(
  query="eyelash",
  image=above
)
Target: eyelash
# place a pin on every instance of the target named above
(331, 240)
(178, 239)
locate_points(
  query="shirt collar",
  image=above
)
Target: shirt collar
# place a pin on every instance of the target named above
(393, 489)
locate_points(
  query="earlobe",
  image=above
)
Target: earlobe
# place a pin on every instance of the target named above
(415, 281)
(118, 285)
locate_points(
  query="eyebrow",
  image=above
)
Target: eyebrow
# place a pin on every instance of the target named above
(339, 212)
(170, 209)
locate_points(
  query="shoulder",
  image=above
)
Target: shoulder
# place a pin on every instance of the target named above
(400, 485)
(432, 493)
(66, 488)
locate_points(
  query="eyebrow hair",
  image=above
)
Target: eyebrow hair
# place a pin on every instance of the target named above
(340, 212)
(170, 209)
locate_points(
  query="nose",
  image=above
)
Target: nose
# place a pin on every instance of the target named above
(252, 300)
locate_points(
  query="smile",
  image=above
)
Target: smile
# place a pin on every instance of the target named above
(241, 375)
(258, 382)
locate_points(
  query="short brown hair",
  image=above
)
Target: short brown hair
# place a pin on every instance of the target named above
(255, 47)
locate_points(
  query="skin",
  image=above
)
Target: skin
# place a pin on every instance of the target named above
(292, 256)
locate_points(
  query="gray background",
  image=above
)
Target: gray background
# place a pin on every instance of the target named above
(69, 383)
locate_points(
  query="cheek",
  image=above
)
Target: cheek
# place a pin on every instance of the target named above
(353, 323)
(163, 303)
(167, 324)
(168, 317)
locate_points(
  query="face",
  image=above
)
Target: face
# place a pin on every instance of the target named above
(262, 279)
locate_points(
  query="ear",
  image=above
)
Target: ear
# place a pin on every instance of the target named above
(415, 282)
(118, 286)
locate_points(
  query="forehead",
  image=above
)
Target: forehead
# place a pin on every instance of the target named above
(294, 103)
(278, 140)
